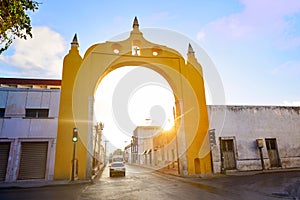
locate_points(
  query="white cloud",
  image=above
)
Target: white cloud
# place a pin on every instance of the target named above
(291, 103)
(259, 18)
(40, 56)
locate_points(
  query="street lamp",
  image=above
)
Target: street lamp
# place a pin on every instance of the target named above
(74, 139)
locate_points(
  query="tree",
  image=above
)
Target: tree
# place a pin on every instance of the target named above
(14, 21)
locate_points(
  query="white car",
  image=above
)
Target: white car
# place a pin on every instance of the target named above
(117, 168)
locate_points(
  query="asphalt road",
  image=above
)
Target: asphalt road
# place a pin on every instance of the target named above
(140, 183)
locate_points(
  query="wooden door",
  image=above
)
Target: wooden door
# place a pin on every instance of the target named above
(228, 154)
(273, 152)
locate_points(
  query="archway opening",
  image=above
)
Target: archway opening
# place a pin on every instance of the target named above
(143, 94)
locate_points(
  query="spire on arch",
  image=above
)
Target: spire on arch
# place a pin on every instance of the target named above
(75, 41)
(135, 23)
(191, 51)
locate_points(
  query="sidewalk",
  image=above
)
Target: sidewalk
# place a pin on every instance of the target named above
(174, 171)
(280, 188)
(43, 183)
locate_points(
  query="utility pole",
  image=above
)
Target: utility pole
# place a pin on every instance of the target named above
(105, 141)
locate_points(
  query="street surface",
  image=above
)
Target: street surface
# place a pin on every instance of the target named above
(141, 183)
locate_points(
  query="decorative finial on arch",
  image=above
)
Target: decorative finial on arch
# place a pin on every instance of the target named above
(135, 23)
(75, 41)
(191, 50)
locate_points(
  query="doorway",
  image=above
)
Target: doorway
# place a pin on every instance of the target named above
(197, 166)
(227, 154)
(272, 149)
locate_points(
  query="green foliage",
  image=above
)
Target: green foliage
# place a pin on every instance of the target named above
(14, 21)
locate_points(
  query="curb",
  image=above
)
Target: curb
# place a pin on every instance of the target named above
(41, 183)
(217, 175)
(34, 184)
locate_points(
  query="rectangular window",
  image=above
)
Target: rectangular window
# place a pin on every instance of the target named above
(2, 112)
(37, 113)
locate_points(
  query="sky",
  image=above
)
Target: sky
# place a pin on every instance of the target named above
(254, 44)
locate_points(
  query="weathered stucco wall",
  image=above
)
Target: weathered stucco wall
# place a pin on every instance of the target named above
(16, 128)
(245, 124)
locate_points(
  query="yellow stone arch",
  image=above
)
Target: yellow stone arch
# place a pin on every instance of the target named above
(82, 76)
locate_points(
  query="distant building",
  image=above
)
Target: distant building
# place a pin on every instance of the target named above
(128, 153)
(165, 149)
(134, 150)
(144, 143)
(28, 128)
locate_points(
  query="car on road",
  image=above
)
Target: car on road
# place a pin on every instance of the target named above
(117, 168)
(118, 158)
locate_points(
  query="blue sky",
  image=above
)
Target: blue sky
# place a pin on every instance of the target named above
(254, 44)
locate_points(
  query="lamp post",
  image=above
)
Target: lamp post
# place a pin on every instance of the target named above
(74, 139)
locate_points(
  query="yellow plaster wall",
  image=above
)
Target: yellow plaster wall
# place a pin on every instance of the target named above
(64, 144)
(81, 78)
(197, 145)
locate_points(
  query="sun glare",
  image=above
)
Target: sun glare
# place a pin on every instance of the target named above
(152, 100)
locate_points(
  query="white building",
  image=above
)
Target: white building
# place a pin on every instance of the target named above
(128, 153)
(144, 135)
(165, 149)
(28, 128)
(237, 128)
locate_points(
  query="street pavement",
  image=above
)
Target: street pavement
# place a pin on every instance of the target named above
(148, 183)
